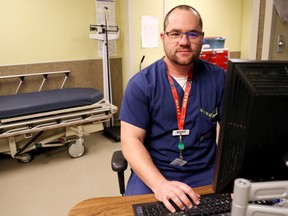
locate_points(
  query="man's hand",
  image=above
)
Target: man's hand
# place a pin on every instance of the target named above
(179, 193)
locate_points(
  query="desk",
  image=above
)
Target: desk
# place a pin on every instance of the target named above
(119, 205)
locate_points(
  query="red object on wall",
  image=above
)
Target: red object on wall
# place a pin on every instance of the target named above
(218, 57)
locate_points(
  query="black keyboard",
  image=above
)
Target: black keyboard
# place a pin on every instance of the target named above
(210, 204)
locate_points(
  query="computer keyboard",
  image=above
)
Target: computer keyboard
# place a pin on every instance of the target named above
(210, 204)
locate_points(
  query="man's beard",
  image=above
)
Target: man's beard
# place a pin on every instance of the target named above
(176, 60)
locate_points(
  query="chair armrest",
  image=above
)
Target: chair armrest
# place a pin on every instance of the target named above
(119, 165)
(118, 162)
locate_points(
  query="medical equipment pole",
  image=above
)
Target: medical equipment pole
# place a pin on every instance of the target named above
(108, 74)
(103, 35)
(110, 130)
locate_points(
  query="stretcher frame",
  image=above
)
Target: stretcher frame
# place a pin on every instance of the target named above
(21, 134)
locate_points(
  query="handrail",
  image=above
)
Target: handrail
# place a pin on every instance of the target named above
(44, 74)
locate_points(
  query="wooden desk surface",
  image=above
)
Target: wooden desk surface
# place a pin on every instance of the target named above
(119, 205)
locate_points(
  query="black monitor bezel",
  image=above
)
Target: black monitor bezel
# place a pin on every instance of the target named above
(226, 185)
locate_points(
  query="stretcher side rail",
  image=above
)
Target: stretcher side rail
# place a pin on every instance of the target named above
(100, 107)
(52, 122)
(73, 123)
(45, 75)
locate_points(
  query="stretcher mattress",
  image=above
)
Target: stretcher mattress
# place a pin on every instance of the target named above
(37, 102)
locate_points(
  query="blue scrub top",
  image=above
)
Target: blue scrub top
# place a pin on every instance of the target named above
(148, 103)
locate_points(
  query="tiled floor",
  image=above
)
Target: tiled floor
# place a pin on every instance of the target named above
(53, 182)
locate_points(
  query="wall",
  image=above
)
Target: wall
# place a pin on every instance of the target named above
(47, 31)
(35, 31)
(130, 34)
(249, 35)
(125, 36)
(143, 8)
(219, 18)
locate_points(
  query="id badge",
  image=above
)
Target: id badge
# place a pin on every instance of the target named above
(178, 162)
(180, 132)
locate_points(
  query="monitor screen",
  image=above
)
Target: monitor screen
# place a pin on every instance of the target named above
(253, 138)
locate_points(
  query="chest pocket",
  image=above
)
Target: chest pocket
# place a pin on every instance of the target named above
(208, 122)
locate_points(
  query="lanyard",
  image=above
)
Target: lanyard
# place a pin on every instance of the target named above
(181, 112)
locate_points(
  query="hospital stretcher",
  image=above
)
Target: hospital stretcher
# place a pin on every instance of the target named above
(50, 118)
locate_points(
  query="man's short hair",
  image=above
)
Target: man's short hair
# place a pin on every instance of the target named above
(184, 7)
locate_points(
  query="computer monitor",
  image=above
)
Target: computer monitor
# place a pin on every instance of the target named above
(253, 139)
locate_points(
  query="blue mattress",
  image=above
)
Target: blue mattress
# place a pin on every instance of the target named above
(37, 102)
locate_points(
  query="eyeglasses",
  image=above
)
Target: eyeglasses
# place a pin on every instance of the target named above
(175, 35)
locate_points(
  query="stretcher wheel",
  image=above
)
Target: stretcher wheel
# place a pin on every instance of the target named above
(77, 148)
(25, 158)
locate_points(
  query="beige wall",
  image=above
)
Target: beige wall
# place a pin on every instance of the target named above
(221, 18)
(34, 31)
(248, 20)
(130, 37)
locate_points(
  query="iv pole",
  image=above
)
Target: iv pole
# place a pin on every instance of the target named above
(102, 33)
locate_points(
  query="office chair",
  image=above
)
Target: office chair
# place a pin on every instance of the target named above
(119, 165)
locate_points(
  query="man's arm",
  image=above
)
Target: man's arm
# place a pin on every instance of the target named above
(132, 139)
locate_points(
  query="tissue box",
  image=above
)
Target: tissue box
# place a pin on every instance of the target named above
(215, 42)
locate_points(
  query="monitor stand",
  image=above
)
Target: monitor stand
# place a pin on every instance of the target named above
(245, 191)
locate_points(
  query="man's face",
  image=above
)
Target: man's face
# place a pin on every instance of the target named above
(182, 50)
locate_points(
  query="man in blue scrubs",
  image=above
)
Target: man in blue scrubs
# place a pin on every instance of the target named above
(169, 115)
